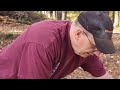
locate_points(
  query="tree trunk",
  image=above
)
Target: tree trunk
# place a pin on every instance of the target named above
(53, 15)
(113, 15)
(59, 15)
(64, 13)
(119, 18)
(56, 12)
(48, 14)
(116, 18)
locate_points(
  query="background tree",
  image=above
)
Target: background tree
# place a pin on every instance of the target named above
(116, 18)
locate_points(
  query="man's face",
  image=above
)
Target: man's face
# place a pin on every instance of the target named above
(85, 45)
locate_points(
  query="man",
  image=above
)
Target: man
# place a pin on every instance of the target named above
(53, 49)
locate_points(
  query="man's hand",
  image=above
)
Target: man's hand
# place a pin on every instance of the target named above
(97, 53)
(105, 76)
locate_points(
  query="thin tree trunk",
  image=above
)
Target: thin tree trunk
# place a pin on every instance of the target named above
(119, 18)
(116, 19)
(113, 15)
(64, 15)
(56, 14)
(59, 15)
(48, 14)
(53, 14)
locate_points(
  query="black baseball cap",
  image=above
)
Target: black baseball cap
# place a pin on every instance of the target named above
(99, 24)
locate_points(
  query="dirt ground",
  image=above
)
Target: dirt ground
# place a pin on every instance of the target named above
(111, 62)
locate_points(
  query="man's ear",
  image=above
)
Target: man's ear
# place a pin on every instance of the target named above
(78, 33)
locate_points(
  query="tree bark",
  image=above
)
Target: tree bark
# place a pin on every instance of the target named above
(115, 18)
(64, 13)
(59, 15)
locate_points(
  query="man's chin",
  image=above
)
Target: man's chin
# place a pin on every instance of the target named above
(84, 55)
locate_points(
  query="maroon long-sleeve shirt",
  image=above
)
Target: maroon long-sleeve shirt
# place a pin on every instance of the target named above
(44, 51)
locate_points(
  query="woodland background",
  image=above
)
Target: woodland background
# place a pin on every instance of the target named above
(13, 23)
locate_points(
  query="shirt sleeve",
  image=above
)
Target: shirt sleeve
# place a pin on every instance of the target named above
(34, 63)
(94, 66)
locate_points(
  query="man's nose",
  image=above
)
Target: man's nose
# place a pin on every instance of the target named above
(97, 53)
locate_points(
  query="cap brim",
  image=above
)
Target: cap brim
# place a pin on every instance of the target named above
(104, 46)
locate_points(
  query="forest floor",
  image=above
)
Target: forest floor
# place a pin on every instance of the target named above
(10, 29)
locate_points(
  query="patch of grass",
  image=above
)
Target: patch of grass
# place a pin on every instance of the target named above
(9, 36)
